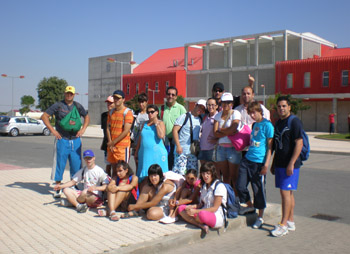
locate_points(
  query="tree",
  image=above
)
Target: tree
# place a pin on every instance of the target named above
(133, 103)
(181, 100)
(50, 90)
(27, 102)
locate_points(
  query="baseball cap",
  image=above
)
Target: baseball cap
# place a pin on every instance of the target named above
(218, 85)
(109, 99)
(88, 153)
(119, 94)
(202, 102)
(70, 89)
(227, 97)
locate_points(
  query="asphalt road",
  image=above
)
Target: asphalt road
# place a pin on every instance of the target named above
(323, 187)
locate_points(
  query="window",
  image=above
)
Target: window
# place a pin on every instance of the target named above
(290, 80)
(31, 120)
(166, 85)
(108, 67)
(137, 88)
(157, 87)
(146, 87)
(128, 89)
(345, 78)
(325, 79)
(307, 79)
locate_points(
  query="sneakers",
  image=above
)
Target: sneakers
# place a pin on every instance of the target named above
(291, 225)
(279, 230)
(168, 220)
(65, 202)
(57, 194)
(246, 209)
(82, 208)
(258, 223)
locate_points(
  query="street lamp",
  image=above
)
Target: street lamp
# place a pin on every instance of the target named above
(12, 77)
(112, 60)
(149, 89)
(263, 87)
(81, 97)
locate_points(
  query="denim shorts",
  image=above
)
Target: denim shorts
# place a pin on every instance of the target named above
(228, 154)
(284, 182)
(206, 155)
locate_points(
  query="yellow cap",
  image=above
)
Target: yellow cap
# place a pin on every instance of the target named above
(70, 89)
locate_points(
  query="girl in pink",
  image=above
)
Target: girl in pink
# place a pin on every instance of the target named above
(208, 213)
(188, 193)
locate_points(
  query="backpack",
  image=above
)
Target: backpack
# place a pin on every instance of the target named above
(71, 122)
(231, 207)
(135, 192)
(305, 151)
(124, 114)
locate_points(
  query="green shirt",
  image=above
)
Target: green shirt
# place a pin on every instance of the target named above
(170, 115)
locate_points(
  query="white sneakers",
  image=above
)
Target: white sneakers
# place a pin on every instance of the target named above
(57, 194)
(168, 220)
(82, 208)
(291, 225)
(279, 230)
(258, 223)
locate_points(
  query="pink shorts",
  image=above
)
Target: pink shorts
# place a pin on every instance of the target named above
(98, 200)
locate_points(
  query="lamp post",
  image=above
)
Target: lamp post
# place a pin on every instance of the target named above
(12, 78)
(263, 87)
(149, 89)
(81, 97)
(112, 60)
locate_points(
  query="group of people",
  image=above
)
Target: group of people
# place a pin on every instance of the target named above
(167, 144)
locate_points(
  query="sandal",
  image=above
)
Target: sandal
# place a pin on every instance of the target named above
(205, 231)
(130, 214)
(114, 216)
(102, 212)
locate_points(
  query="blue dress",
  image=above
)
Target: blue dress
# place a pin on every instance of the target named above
(151, 151)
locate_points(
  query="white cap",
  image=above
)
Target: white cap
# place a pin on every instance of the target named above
(227, 97)
(202, 102)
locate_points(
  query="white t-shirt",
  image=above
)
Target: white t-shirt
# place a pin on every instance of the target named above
(245, 117)
(95, 176)
(236, 115)
(207, 198)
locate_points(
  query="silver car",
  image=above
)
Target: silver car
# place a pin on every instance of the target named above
(16, 125)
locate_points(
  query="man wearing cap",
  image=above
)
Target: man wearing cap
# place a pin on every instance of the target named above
(95, 181)
(217, 91)
(119, 122)
(169, 113)
(110, 105)
(185, 126)
(67, 137)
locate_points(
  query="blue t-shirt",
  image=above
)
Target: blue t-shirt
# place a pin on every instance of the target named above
(261, 132)
(185, 134)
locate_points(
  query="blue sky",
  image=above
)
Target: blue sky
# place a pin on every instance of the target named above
(44, 38)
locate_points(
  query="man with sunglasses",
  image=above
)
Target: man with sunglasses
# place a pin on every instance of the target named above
(170, 111)
(217, 91)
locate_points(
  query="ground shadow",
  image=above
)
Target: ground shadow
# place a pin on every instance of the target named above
(41, 188)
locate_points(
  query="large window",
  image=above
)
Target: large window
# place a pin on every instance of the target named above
(307, 80)
(166, 85)
(128, 89)
(157, 87)
(345, 78)
(290, 80)
(137, 88)
(146, 87)
(325, 79)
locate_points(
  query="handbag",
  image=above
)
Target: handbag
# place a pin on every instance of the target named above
(241, 139)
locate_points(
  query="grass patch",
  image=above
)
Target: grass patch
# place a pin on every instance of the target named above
(336, 136)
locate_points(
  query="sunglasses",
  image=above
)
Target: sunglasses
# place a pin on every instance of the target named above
(171, 94)
(151, 112)
(218, 90)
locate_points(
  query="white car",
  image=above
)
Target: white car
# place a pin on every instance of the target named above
(16, 125)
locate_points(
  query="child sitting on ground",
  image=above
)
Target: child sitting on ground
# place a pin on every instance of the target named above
(95, 181)
(188, 193)
(122, 190)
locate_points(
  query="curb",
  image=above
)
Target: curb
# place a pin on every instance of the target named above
(193, 234)
(329, 152)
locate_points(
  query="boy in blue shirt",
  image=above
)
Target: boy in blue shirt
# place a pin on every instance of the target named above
(253, 167)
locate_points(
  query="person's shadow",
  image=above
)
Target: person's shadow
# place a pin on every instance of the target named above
(41, 188)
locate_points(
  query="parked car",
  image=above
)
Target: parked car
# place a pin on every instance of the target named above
(16, 125)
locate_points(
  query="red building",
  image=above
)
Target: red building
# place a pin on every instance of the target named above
(163, 69)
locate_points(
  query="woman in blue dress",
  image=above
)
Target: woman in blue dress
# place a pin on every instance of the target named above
(150, 147)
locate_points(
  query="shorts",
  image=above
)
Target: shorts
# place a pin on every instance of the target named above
(228, 154)
(98, 200)
(206, 155)
(119, 153)
(285, 182)
(183, 162)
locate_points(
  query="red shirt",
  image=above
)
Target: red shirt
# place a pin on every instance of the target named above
(331, 118)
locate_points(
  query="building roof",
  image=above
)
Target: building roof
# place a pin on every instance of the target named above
(329, 52)
(171, 59)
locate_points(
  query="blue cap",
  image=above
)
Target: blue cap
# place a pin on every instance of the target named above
(119, 93)
(88, 153)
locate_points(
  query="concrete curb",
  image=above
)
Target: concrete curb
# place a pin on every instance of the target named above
(330, 152)
(193, 234)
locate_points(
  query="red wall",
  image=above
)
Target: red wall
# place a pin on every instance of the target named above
(176, 78)
(316, 67)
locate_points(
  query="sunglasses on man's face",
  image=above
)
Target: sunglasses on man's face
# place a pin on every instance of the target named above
(171, 94)
(218, 90)
(151, 112)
